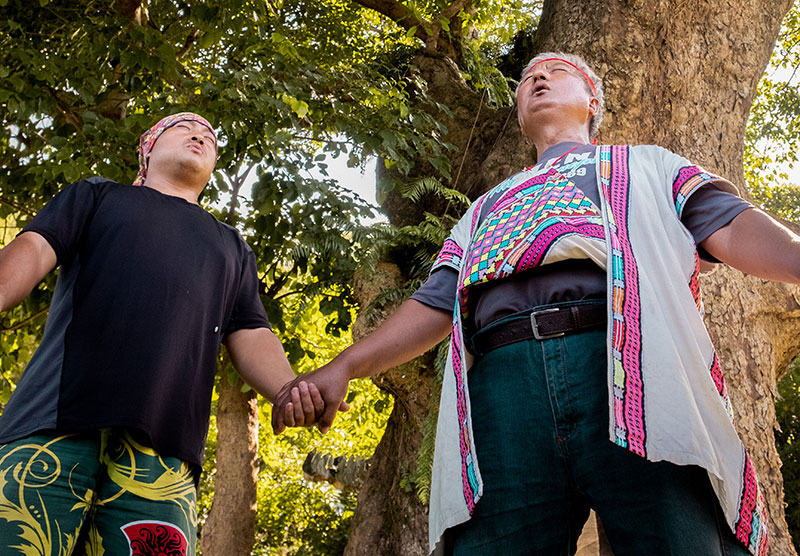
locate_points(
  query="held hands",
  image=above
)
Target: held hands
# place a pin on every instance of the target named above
(310, 398)
(410, 331)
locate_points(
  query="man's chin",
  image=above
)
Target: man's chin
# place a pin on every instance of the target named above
(193, 165)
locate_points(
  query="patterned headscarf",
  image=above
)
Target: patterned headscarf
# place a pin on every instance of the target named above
(149, 138)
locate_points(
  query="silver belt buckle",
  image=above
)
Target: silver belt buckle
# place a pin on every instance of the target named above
(535, 325)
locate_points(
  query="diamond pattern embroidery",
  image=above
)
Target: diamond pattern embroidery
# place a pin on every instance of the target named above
(519, 230)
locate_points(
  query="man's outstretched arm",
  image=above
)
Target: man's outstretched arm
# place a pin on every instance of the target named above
(23, 264)
(757, 244)
(258, 356)
(409, 332)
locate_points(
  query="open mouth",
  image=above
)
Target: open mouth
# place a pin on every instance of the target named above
(539, 88)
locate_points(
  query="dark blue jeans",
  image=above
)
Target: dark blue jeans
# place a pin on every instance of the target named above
(540, 415)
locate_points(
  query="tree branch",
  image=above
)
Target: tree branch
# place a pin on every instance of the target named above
(430, 32)
(452, 10)
(237, 181)
(24, 323)
(188, 44)
(131, 9)
(289, 293)
(400, 14)
(16, 207)
(300, 137)
(447, 44)
(66, 109)
(277, 285)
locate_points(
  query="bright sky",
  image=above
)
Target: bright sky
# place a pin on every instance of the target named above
(362, 183)
(358, 181)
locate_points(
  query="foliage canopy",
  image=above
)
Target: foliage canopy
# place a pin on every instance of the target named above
(288, 83)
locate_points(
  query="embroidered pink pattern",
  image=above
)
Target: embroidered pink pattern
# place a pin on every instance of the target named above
(629, 422)
(525, 223)
(450, 255)
(694, 285)
(468, 476)
(687, 181)
(751, 526)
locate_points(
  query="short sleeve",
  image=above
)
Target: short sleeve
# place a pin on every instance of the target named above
(687, 178)
(709, 209)
(439, 290)
(63, 220)
(248, 311)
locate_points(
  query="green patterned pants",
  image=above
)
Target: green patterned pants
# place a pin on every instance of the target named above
(95, 493)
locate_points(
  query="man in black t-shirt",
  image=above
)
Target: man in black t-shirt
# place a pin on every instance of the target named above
(101, 442)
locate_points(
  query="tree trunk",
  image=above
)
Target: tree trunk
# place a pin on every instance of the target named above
(678, 73)
(390, 518)
(230, 527)
(755, 326)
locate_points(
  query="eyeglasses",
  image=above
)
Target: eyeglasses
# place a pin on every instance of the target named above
(591, 84)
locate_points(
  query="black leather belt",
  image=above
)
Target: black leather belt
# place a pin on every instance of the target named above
(543, 324)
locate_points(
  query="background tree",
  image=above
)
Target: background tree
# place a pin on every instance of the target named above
(80, 82)
(427, 86)
(679, 74)
(788, 442)
(770, 154)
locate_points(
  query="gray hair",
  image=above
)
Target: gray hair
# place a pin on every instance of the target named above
(594, 122)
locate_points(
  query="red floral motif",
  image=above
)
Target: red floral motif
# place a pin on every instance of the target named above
(155, 538)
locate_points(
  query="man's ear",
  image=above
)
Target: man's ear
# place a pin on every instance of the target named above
(519, 120)
(594, 106)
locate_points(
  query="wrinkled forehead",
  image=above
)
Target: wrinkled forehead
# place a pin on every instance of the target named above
(554, 63)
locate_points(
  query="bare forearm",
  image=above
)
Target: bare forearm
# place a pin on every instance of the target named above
(409, 332)
(23, 263)
(259, 358)
(756, 244)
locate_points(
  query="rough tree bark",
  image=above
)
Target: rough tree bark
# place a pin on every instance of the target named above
(390, 512)
(230, 527)
(678, 73)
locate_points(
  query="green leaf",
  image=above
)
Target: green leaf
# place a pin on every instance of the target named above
(231, 375)
(300, 107)
(350, 89)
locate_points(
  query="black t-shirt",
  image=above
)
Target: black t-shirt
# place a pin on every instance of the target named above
(706, 211)
(148, 287)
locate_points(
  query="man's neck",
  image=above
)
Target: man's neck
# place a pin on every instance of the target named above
(545, 137)
(187, 191)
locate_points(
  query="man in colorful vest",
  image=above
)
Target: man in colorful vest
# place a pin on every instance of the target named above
(101, 443)
(580, 374)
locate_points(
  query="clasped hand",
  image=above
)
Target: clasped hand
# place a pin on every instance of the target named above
(313, 397)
